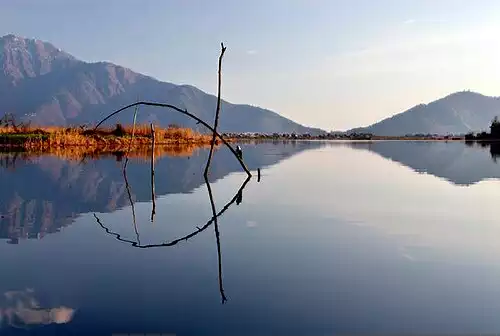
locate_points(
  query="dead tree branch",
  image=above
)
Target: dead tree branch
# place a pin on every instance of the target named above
(185, 112)
(217, 109)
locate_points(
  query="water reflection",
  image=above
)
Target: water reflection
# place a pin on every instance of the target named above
(20, 309)
(41, 195)
(10, 158)
(13, 159)
(316, 256)
(238, 198)
(495, 151)
(494, 147)
(459, 163)
(198, 230)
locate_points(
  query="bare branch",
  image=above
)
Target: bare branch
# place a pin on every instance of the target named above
(185, 112)
(217, 110)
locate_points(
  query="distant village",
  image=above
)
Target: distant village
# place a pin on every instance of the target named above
(337, 136)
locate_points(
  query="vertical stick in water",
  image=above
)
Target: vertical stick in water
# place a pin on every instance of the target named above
(217, 110)
(131, 138)
(124, 170)
(153, 195)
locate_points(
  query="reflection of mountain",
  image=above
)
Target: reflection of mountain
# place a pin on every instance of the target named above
(45, 194)
(456, 162)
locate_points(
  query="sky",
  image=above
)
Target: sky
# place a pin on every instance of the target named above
(334, 64)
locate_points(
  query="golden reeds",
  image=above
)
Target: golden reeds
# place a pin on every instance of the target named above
(110, 139)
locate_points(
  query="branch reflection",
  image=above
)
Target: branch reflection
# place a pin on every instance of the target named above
(129, 193)
(217, 235)
(214, 220)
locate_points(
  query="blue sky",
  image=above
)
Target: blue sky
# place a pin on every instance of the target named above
(329, 63)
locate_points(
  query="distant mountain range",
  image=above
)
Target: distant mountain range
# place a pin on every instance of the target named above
(48, 86)
(457, 113)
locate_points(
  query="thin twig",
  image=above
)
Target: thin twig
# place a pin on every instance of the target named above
(132, 138)
(217, 109)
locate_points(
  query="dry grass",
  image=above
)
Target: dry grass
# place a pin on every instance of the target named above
(111, 139)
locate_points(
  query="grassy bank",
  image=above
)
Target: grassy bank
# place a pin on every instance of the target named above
(111, 139)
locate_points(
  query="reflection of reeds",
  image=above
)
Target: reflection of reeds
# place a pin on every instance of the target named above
(10, 159)
(78, 153)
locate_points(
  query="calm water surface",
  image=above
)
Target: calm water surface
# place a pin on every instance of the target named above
(387, 237)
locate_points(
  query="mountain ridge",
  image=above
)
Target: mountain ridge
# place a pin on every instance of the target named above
(47, 86)
(457, 113)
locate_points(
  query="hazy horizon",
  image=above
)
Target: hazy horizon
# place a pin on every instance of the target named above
(331, 65)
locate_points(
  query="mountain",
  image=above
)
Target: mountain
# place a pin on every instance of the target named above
(48, 86)
(457, 113)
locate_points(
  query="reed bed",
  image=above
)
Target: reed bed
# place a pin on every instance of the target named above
(106, 139)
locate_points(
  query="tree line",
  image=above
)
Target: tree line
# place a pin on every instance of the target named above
(493, 135)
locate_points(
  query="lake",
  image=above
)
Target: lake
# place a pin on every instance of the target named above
(345, 238)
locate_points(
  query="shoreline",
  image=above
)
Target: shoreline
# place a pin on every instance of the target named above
(138, 138)
(114, 144)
